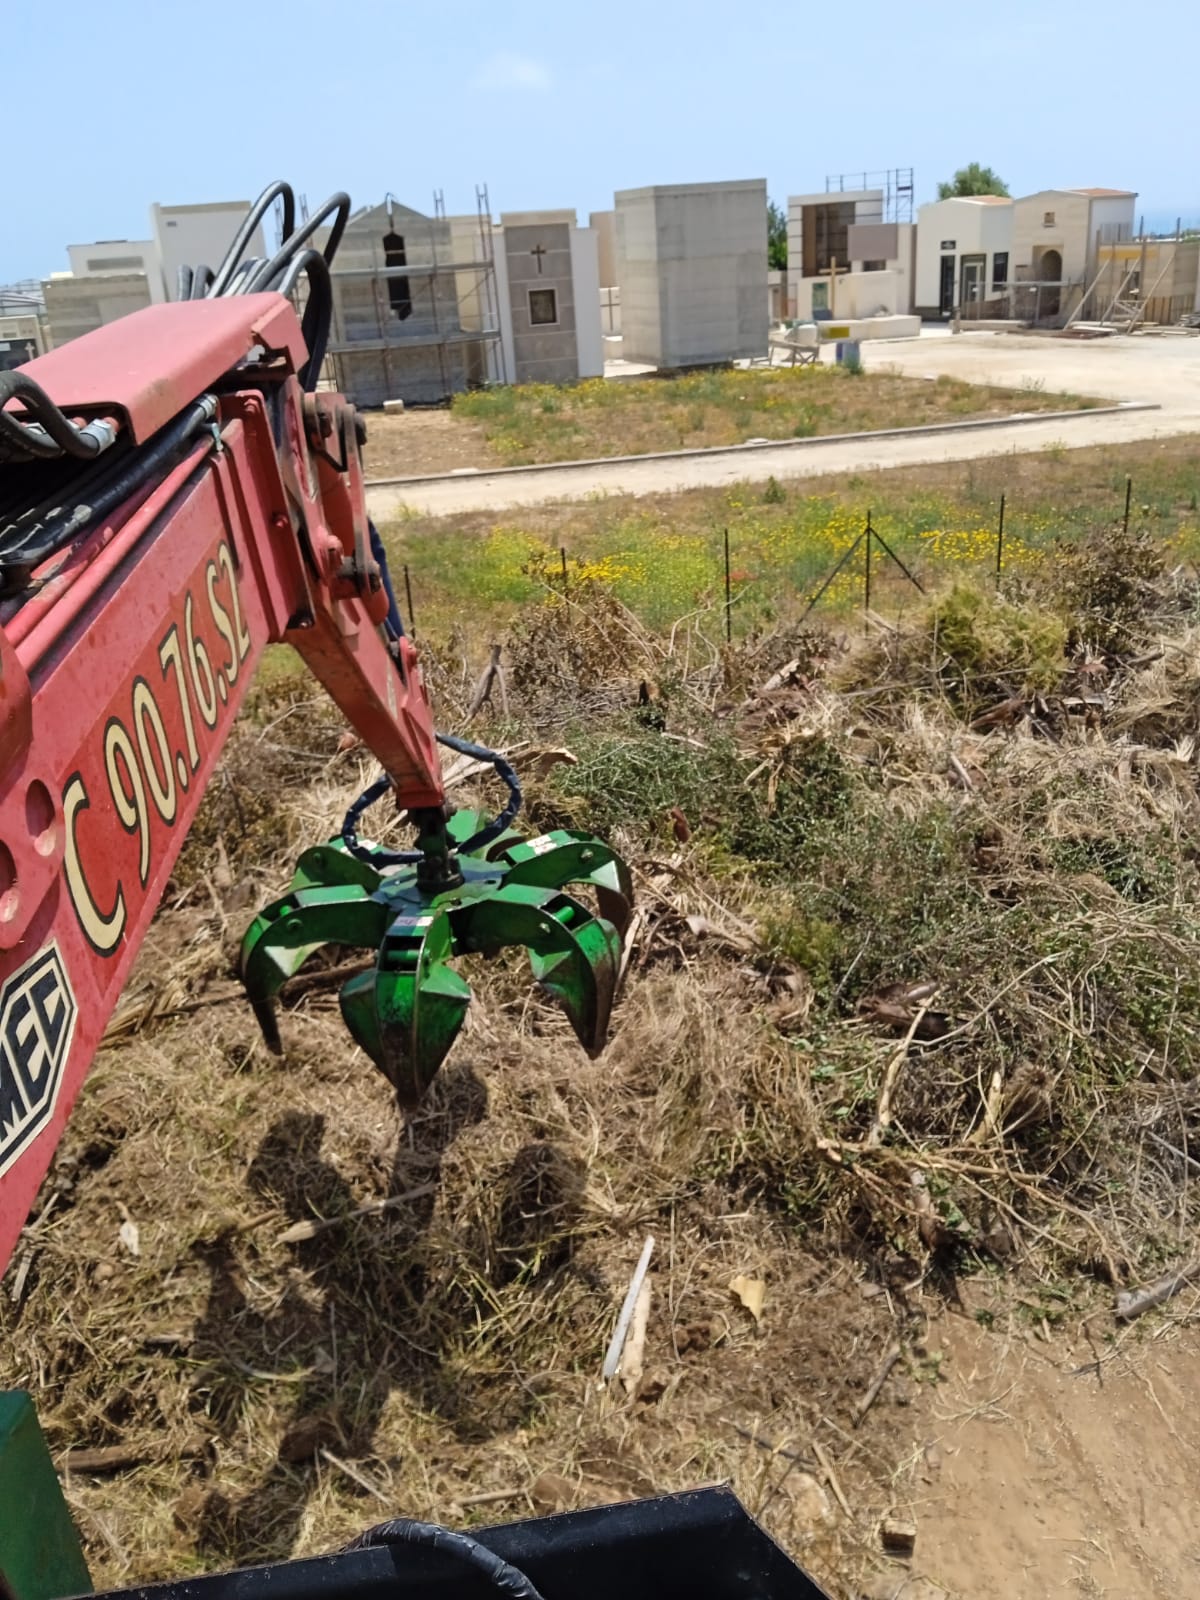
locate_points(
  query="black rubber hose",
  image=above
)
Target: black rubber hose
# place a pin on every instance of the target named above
(62, 529)
(297, 267)
(245, 271)
(202, 278)
(90, 480)
(183, 283)
(480, 752)
(241, 239)
(498, 1572)
(59, 434)
(318, 313)
(266, 275)
(477, 841)
(394, 620)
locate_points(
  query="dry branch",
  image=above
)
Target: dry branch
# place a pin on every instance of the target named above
(883, 1112)
(355, 1476)
(612, 1358)
(877, 1383)
(491, 676)
(310, 1228)
(120, 1457)
(830, 1477)
(1132, 1303)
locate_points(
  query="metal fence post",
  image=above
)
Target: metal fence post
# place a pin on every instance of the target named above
(412, 621)
(728, 595)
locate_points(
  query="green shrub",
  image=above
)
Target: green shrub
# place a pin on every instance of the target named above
(996, 644)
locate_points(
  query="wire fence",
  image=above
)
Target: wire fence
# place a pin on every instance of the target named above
(742, 579)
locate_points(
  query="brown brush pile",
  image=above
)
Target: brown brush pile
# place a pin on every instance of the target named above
(913, 997)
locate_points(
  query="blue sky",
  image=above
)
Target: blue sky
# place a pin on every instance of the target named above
(132, 101)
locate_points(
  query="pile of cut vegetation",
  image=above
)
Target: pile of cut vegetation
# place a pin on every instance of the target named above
(912, 1000)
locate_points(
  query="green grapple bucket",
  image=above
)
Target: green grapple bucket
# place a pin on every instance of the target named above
(406, 1010)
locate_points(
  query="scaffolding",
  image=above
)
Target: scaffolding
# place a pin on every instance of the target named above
(1150, 279)
(895, 185)
(426, 325)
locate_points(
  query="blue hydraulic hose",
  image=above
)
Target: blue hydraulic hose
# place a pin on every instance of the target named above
(395, 621)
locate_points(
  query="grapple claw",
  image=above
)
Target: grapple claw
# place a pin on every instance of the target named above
(406, 1011)
(575, 955)
(288, 931)
(557, 859)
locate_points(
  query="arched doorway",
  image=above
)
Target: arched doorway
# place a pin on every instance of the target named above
(1050, 271)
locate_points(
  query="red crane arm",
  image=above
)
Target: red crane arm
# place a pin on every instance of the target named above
(125, 656)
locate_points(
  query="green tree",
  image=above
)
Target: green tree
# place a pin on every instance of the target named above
(972, 179)
(776, 237)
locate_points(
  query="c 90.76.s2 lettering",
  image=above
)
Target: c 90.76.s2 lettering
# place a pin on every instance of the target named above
(147, 768)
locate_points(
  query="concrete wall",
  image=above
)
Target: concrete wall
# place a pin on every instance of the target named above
(585, 273)
(1052, 219)
(75, 306)
(692, 266)
(638, 275)
(1112, 216)
(859, 294)
(977, 225)
(121, 256)
(604, 225)
(198, 235)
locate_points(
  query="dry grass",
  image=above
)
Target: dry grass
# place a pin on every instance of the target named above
(538, 422)
(898, 941)
(450, 1346)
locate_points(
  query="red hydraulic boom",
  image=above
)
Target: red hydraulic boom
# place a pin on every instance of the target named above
(175, 495)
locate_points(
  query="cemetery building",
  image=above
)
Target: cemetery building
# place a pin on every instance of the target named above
(691, 264)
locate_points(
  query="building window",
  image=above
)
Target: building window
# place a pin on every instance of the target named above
(1047, 219)
(543, 307)
(1000, 269)
(874, 266)
(399, 293)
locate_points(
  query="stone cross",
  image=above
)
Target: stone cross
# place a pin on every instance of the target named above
(833, 272)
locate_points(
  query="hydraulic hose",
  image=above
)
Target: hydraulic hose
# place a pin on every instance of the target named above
(241, 239)
(21, 557)
(50, 432)
(339, 204)
(402, 1531)
(478, 841)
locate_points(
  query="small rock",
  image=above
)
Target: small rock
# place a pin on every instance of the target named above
(812, 1503)
(550, 1491)
(897, 1537)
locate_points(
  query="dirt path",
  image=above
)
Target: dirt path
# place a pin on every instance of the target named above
(1032, 1478)
(716, 468)
(1162, 372)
